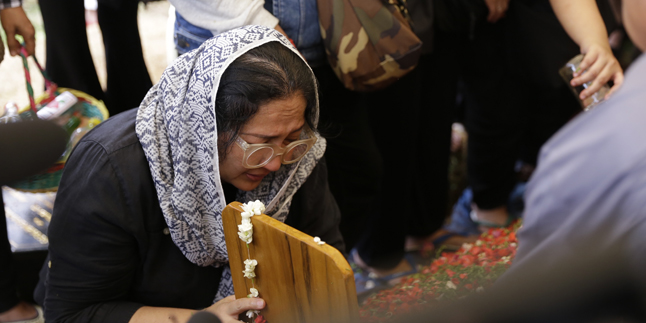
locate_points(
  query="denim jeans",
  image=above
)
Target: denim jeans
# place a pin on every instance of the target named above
(299, 19)
(188, 36)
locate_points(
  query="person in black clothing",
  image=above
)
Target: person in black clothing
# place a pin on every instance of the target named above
(69, 61)
(14, 22)
(420, 106)
(33, 147)
(515, 99)
(136, 233)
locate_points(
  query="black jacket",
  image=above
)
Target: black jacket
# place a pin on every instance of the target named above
(110, 250)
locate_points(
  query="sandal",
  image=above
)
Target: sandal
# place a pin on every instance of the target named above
(40, 318)
(489, 224)
(367, 282)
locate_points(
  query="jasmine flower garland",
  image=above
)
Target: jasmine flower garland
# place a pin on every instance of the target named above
(245, 233)
(249, 268)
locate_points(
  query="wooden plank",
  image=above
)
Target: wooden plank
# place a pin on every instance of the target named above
(300, 280)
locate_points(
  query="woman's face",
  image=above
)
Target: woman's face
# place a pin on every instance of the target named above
(278, 122)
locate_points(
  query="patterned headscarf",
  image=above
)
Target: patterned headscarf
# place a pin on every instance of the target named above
(176, 125)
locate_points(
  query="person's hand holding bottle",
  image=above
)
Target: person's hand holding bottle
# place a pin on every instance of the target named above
(582, 21)
(599, 65)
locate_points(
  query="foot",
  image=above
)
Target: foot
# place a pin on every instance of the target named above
(402, 267)
(458, 136)
(414, 244)
(454, 242)
(20, 312)
(496, 216)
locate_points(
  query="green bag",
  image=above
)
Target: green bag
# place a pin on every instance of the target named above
(369, 43)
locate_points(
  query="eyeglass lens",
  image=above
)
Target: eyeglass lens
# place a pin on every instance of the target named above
(261, 156)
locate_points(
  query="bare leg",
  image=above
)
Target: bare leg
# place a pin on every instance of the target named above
(22, 311)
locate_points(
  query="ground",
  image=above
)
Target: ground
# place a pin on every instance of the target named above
(152, 27)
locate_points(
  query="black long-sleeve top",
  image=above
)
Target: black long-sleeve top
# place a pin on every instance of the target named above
(110, 249)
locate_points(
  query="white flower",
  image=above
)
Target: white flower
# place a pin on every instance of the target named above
(254, 292)
(255, 208)
(513, 245)
(451, 285)
(245, 231)
(246, 216)
(249, 274)
(246, 236)
(479, 289)
(245, 226)
(467, 246)
(247, 208)
(250, 313)
(479, 243)
(249, 268)
(250, 264)
(319, 241)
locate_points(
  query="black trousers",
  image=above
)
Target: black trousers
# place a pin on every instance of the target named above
(353, 160)
(515, 100)
(8, 294)
(69, 62)
(411, 121)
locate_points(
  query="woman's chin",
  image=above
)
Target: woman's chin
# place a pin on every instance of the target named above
(252, 178)
(247, 184)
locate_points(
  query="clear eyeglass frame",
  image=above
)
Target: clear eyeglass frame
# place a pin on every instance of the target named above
(277, 150)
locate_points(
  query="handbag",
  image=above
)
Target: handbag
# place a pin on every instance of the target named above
(369, 43)
(88, 110)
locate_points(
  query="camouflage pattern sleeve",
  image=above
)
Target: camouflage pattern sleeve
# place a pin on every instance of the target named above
(369, 44)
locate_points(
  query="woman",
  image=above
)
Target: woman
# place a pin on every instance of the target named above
(136, 233)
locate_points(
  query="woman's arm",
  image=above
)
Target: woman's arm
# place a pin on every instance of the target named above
(582, 21)
(98, 241)
(226, 309)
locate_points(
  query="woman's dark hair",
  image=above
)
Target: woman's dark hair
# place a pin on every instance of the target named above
(266, 73)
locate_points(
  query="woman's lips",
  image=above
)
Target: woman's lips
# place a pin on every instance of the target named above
(256, 177)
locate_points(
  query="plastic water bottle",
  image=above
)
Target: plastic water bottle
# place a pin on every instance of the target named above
(591, 101)
(58, 106)
(77, 134)
(11, 114)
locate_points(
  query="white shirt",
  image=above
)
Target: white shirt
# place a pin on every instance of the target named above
(221, 15)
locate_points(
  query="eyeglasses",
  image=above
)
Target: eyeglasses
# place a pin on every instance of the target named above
(258, 155)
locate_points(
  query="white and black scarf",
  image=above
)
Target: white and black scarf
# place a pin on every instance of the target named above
(177, 129)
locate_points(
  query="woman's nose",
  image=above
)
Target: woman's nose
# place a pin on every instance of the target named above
(274, 164)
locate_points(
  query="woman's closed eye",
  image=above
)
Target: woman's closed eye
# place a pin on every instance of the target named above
(289, 140)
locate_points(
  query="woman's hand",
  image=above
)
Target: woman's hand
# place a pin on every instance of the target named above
(600, 66)
(497, 9)
(229, 308)
(15, 22)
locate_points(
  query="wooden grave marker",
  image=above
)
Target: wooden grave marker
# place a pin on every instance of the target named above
(300, 280)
